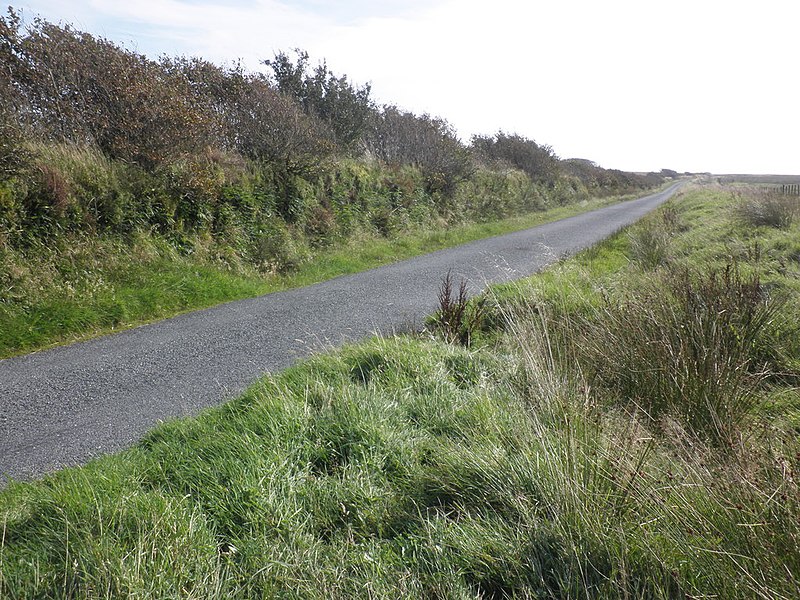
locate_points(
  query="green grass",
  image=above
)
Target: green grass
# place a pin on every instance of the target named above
(80, 287)
(366, 254)
(520, 467)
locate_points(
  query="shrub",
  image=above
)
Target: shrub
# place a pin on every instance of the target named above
(196, 186)
(214, 91)
(403, 138)
(608, 181)
(14, 155)
(345, 108)
(320, 224)
(272, 128)
(538, 161)
(274, 249)
(78, 88)
(70, 187)
(490, 194)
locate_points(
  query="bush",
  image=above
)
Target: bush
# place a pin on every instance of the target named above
(74, 87)
(538, 161)
(343, 107)
(274, 249)
(72, 188)
(272, 128)
(608, 181)
(196, 186)
(490, 194)
(403, 138)
(14, 155)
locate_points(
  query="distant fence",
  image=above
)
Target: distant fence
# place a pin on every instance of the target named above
(791, 189)
(787, 189)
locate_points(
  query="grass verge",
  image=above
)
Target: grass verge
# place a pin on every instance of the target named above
(82, 287)
(527, 465)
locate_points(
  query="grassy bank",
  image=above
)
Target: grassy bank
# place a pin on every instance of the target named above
(71, 287)
(622, 425)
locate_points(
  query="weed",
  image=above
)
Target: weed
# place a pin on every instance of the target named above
(649, 241)
(457, 319)
(671, 218)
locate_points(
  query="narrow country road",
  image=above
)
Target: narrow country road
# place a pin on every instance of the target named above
(65, 406)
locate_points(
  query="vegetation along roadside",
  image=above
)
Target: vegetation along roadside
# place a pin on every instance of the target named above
(134, 189)
(624, 424)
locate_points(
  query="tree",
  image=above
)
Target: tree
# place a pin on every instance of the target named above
(214, 91)
(72, 86)
(539, 161)
(345, 108)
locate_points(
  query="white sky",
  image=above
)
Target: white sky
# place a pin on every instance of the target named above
(691, 85)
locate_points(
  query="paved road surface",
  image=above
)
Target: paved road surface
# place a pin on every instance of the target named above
(64, 406)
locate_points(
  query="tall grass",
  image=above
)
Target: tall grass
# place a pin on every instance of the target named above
(690, 346)
(759, 207)
(651, 512)
(412, 469)
(525, 466)
(646, 394)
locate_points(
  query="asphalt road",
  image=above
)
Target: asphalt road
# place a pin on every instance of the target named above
(65, 406)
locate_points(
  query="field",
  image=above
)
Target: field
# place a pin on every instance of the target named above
(765, 179)
(623, 425)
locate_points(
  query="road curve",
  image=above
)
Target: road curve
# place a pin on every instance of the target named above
(64, 406)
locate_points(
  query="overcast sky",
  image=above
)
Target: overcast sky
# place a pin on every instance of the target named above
(691, 85)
